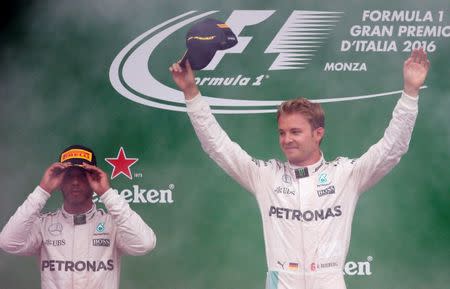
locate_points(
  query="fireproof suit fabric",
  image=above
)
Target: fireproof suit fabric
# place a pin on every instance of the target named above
(77, 256)
(306, 212)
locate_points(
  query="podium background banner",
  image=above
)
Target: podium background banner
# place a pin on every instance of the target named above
(96, 73)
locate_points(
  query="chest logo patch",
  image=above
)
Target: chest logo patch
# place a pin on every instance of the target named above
(327, 191)
(100, 227)
(55, 229)
(286, 179)
(323, 179)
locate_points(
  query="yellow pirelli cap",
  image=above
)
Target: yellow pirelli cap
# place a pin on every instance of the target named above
(77, 155)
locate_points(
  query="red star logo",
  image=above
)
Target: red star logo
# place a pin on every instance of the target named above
(121, 164)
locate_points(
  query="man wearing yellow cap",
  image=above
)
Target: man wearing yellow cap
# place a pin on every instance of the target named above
(78, 246)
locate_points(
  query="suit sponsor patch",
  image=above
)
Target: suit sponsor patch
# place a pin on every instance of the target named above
(305, 216)
(327, 191)
(101, 242)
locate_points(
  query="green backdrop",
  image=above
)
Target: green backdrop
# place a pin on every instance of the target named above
(55, 60)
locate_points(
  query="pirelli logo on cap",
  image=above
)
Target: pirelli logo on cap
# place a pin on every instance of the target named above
(202, 37)
(76, 154)
(223, 25)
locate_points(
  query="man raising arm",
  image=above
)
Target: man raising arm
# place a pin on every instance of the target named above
(306, 203)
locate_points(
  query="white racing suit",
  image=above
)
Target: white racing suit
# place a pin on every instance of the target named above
(82, 256)
(306, 211)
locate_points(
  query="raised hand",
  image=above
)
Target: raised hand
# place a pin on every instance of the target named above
(415, 70)
(98, 179)
(184, 79)
(53, 177)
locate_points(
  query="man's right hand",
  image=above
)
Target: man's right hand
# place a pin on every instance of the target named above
(184, 78)
(53, 177)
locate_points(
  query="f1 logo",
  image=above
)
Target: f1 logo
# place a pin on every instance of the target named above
(237, 21)
(297, 40)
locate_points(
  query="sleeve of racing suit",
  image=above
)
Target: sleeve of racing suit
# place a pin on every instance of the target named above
(386, 153)
(133, 236)
(22, 235)
(216, 143)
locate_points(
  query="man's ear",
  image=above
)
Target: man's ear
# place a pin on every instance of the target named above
(319, 134)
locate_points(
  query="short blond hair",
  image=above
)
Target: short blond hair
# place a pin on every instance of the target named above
(312, 111)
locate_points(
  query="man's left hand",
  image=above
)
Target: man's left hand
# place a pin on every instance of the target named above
(98, 179)
(415, 70)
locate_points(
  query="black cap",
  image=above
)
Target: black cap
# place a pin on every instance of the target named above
(204, 39)
(77, 155)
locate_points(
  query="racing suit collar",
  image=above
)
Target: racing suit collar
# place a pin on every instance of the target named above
(79, 219)
(303, 172)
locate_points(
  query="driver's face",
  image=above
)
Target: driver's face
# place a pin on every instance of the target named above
(75, 186)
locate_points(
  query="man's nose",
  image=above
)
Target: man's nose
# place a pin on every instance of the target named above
(287, 138)
(75, 180)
